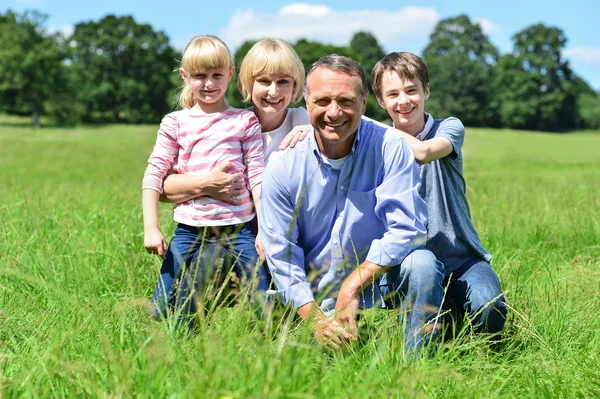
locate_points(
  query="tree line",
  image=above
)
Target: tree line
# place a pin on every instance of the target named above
(116, 70)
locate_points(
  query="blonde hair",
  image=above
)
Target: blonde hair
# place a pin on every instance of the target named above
(269, 56)
(407, 65)
(201, 53)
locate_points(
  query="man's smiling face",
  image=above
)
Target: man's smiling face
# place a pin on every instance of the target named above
(335, 106)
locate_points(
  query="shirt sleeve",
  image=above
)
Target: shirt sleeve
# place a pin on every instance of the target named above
(399, 206)
(164, 154)
(453, 130)
(279, 233)
(252, 147)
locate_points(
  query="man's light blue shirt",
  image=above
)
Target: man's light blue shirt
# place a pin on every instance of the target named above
(319, 223)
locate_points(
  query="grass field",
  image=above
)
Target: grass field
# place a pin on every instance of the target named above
(75, 283)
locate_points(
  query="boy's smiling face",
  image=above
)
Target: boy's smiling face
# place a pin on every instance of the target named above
(404, 100)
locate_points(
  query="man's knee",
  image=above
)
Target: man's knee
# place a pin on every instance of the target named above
(422, 267)
(487, 309)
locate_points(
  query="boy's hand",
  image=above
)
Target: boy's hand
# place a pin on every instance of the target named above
(297, 134)
(259, 248)
(154, 242)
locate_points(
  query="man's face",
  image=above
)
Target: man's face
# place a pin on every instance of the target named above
(335, 106)
(404, 100)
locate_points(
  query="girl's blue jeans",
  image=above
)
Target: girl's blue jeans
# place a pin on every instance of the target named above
(195, 255)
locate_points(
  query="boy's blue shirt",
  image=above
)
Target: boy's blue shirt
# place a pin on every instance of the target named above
(451, 235)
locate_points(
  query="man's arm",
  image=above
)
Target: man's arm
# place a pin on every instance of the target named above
(399, 206)
(279, 231)
(346, 306)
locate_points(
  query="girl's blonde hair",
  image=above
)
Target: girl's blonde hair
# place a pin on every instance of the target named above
(201, 53)
(269, 56)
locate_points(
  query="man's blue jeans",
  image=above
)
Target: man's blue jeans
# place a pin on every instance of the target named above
(474, 289)
(195, 255)
(416, 287)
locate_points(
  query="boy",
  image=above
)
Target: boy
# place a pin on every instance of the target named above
(401, 86)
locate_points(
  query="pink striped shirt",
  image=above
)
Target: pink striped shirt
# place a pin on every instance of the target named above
(192, 143)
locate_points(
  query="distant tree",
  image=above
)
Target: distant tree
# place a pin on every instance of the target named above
(369, 51)
(234, 96)
(460, 58)
(123, 70)
(588, 105)
(534, 85)
(31, 64)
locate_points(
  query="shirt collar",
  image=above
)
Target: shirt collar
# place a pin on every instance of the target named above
(315, 148)
(426, 128)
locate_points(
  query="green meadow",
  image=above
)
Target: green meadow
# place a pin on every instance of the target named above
(75, 284)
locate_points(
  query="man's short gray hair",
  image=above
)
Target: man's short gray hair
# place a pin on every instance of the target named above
(342, 64)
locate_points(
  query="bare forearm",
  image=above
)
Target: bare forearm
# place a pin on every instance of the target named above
(180, 188)
(150, 208)
(362, 277)
(310, 310)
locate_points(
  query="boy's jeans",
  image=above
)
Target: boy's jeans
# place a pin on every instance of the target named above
(203, 251)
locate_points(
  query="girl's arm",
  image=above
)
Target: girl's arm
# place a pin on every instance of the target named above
(219, 183)
(154, 241)
(258, 243)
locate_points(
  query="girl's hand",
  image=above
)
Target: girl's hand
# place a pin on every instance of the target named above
(154, 242)
(297, 134)
(259, 248)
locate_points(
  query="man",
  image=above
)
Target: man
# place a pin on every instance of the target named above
(341, 219)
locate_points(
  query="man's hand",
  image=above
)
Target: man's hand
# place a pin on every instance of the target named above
(330, 334)
(346, 311)
(154, 242)
(297, 134)
(223, 184)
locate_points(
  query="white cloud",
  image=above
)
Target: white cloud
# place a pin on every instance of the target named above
(321, 23)
(588, 55)
(65, 30)
(488, 26)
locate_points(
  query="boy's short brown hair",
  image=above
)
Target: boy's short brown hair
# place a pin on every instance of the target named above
(407, 65)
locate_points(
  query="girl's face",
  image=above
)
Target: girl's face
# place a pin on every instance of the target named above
(209, 86)
(272, 93)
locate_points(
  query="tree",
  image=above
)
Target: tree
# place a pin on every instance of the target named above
(534, 85)
(31, 66)
(369, 51)
(123, 70)
(460, 58)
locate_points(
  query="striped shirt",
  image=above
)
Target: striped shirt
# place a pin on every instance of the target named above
(192, 143)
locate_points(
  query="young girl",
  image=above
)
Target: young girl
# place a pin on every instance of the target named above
(271, 77)
(192, 141)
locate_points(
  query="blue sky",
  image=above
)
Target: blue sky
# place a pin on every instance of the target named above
(398, 26)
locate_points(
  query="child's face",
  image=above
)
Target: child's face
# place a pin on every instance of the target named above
(404, 100)
(208, 85)
(272, 93)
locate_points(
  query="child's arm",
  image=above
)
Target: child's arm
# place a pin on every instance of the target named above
(424, 151)
(258, 243)
(428, 150)
(154, 241)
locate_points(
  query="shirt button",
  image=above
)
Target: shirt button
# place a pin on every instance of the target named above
(334, 242)
(342, 188)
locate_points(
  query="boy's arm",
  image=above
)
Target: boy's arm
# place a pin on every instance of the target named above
(428, 150)
(424, 151)
(154, 241)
